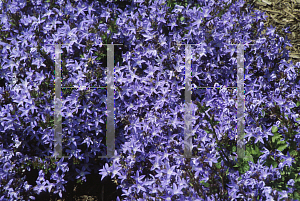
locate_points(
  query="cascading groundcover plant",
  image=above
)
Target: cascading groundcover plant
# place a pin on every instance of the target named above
(150, 83)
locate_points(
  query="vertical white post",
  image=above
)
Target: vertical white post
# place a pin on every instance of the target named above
(188, 143)
(188, 112)
(240, 102)
(110, 124)
(58, 104)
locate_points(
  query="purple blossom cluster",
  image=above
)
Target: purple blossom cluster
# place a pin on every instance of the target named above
(151, 98)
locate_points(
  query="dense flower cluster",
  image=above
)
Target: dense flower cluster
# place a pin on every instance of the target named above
(150, 96)
(27, 70)
(157, 137)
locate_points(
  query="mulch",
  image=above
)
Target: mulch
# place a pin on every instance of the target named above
(283, 14)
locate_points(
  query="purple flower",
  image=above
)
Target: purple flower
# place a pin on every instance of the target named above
(151, 70)
(26, 185)
(85, 107)
(172, 24)
(105, 171)
(175, 123)
(73, 152)
(198, 21)
(283, 194)
(176, 190)
(61, 166)
(280, 101)
(50, 186)
(115, 169)
(48, 13)
(169, 170)
(138, 61)
(211, 159)
(167, 197)
(156, 162)
(69, 112)
(270, 31)
(120, 78)
(73, 140)
(82, 174)
(138, 182)
(105, 14)
(87, 155)
(80, 9)
(291, 182)
(39, 77)
(7, 166)
(288, 160)
(127, 192)
(32, 107)
(54, 22)
(264, 174)
(88, 141)
(133, 76)
(148, 35)
(205, 12)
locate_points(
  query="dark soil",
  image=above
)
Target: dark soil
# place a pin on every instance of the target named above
(93, 189)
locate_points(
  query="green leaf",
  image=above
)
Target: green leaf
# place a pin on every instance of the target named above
(297, 179)
(256, 151)
(182, 18)
(275, 137)
(298, 103)
(274, 164)
(297, 196)
(218, 165)
(204, 183)
(274, 129)
(282, 147)
(233, 149)
(281, 142)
